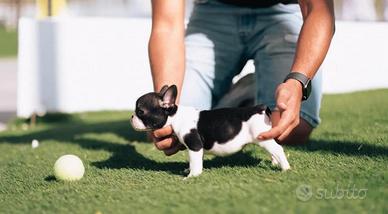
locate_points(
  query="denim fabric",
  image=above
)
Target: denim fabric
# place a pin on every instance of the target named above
(220, 38)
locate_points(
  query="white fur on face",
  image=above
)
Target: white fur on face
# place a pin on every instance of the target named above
(138, 124)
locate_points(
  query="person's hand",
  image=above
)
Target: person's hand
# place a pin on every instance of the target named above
(288, 102)
(165, 140)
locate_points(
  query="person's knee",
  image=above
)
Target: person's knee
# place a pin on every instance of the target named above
(300, 135)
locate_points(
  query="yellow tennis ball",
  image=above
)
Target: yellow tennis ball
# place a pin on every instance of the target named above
(69, 168)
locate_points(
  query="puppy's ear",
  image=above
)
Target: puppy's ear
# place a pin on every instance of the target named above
(163, 89)
(169, 97)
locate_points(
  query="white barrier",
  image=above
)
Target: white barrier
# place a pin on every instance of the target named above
(91, 64)
(358, 57)
(87, 64)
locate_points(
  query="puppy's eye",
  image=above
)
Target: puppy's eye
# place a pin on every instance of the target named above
(140, 112)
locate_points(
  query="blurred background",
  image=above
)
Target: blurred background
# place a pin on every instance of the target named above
(88, 55)
(12, 10)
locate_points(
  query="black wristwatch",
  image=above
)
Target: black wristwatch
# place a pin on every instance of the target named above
(304, 80)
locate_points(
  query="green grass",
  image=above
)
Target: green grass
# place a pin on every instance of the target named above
(126, 174)
(8, 43)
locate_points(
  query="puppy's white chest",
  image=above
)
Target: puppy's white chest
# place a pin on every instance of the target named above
(186, 119)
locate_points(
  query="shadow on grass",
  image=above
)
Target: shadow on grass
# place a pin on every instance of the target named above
(123, 155)
(50, 178)
(344, 148)
(126, 156)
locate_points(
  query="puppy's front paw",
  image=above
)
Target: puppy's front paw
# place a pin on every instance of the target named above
(192, 174)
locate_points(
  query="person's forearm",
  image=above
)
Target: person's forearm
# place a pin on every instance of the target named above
(166, 52)
(166, 44)
(315, 36)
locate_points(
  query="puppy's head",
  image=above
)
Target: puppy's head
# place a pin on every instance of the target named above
(153, 109)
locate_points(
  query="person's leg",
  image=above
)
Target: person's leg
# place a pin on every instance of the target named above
(213, 54)
(274, 52)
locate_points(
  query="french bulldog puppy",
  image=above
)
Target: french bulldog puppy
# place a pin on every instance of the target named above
(220, 131)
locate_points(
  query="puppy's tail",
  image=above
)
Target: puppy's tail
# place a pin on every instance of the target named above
(268, 111)
(264, 109)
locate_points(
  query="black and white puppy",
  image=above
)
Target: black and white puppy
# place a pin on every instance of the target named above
(220, 131)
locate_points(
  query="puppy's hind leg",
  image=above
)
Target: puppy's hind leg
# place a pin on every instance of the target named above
(277, 153)
(274, 161)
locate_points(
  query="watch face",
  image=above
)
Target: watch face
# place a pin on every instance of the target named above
(307, 90)
(308, 82)
(304, 80)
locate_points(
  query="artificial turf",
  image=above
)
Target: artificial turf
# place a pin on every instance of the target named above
(344, 168)
(8, 43)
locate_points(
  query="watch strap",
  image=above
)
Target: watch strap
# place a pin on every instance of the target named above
(304, 80)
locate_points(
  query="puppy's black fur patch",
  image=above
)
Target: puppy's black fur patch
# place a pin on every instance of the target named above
(222, 125)
(193, 140)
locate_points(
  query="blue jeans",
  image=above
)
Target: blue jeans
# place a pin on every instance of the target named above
(221, 38)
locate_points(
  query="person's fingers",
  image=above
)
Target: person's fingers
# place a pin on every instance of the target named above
(176, 141)
(164, 144)
(175, 148)
(286, 133)
(285, 121)
(150, 137)
(287, 102)
(291, 127)
(171, 151)
(163, 132)
(275, 117)
(182, 147)
(272, 133)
